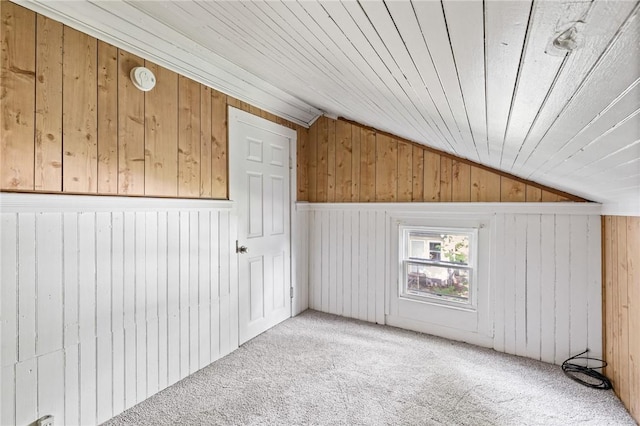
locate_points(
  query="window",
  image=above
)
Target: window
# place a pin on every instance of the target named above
(445, 272)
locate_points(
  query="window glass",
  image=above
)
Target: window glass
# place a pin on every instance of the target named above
(438, 263)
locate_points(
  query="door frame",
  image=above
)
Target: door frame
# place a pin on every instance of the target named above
(234, 117)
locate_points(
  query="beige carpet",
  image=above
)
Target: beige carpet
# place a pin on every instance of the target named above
(322, 369)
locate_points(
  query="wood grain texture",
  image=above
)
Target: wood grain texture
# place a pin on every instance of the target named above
(302, 164)
(485, 186)
(322, 158)
(446, 179)
(205, 142)
(80, 112)
(621, 291)
(188, 137)
(431, 177)
(356, 145)
(405, 171)
(17, 100)
(512, 190)
(130, 128)
(386, 168)
(219, 149)
(161, 134)
(331, 161)
(460, 182)
(417, 174)
(107, 119)
(344, 157)
(367, 165)
(48, 120)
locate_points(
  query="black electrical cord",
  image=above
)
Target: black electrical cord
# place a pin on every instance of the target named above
(584, 375)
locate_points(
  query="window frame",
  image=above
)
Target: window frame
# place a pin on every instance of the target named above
(471, 304)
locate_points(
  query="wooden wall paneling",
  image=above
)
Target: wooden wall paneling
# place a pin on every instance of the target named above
(446, 179)
(322, 159)
(332, 264)
(48, 107)
(161, 134)
(547, 287)
(405, 171)
(188, 137)
(633, 274)
(578, 284)
(533, 194)
(356, 152)
(219, 166)
(563, 233)
(17, 103)
(534, 284)
(485, 185)
(8, 291)
(131, 128)
(343, 157)
(313, 162)
(347, 264)
(107, 119)
(623, 310)
(80, 112)
(550, 197)
(368, 141)
(205, 142)
(461, 181)
(302, 163)
(417, 174)
(386, 168)
(512, 190)
(27, 282)
(331, 160)
(431, 176)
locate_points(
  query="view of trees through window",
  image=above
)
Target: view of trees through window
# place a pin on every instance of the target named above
(438, 265)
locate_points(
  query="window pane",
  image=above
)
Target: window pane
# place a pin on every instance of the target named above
(453, 248)
(429, 280)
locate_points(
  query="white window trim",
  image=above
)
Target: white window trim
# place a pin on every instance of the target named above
(454, 322)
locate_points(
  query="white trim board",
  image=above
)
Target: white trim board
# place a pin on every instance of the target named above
(30, 202)
(452, 208)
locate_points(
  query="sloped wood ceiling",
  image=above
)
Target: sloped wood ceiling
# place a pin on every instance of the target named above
(482, 80)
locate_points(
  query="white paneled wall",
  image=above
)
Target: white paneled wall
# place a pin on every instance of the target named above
(300, 261)
(106, 301)
(544, 281)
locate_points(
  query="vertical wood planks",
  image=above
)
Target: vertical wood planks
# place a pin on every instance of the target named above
(219, 166)
(356, 145)
(633, 271)
(431, 184)
(322, 160)
(485, 186)
(188, 137)
(331, 160)
(205, 142)
(417, 175)
(130, 128)
(80, 112)
(386, 168)
(367, 165)
(405, 171)
(17, 103)
(107, 119)
(512, 190)
(343, 159)
(312, 155)
(48, 107)
(446, 184)
(461, 182)
(302, 165)
(161, 134)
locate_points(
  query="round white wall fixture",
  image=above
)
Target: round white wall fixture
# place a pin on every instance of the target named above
(143, 78)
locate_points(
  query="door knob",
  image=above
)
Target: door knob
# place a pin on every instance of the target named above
(241, 249)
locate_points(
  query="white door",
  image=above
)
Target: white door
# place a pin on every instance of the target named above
(259, 153)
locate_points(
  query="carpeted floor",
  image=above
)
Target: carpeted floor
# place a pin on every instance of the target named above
(322, 369)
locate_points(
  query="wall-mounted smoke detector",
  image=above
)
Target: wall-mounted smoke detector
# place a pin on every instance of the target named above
(143, 78)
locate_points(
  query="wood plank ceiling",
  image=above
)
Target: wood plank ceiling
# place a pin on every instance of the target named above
(481, 80)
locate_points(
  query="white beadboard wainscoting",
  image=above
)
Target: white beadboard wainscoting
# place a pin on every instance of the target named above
(544, 275)
(107, 300)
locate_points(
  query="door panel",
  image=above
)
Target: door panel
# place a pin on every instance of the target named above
(260, 185)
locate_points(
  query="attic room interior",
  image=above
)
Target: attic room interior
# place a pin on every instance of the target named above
(318, 212)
